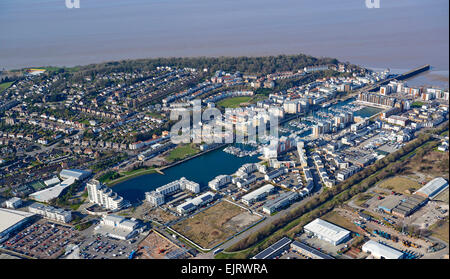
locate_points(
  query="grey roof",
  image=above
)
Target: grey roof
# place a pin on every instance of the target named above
(433, 187)
(274, 249)
(311, 250)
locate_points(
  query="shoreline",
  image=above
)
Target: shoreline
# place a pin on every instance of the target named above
(160, 169)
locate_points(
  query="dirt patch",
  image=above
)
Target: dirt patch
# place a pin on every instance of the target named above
(215, 224)
(155, 246)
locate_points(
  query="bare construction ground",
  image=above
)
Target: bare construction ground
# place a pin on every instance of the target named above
(215, 224)
(155, 246)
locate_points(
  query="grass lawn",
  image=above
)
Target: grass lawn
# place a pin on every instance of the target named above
(5, 85)
(38, 185)
(399, 184)
(129, 174)
(181, 152)
(234, 102)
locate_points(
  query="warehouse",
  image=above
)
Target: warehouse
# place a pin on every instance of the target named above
(13, 203)
(433, 188)
(409, 205)
(309, 251)
(274, 250)
(11, 220)
(327, 231)
(283, 200)
(381, 251)
(389, 203)
(258, 194)
(74, 173)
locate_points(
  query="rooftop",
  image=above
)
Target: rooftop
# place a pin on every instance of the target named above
(9, 218)
(327, 229)
(379, 250)
(433, 187)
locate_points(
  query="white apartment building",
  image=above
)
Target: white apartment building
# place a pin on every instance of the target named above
(157, 197)
(52, 213)
(219, 181)
(100, 194)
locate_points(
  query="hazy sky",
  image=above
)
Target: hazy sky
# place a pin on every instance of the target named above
(400, 34)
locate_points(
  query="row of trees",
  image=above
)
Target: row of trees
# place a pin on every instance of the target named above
(291, 223)
(244, 64)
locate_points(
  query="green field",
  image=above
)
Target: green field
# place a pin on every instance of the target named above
(38, 185)
(181, 152)
(114, 179)
(234, 102)
(399, 184)
(5, 85)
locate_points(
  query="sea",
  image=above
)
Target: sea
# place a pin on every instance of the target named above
(400, 34)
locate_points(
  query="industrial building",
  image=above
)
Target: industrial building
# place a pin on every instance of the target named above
(282, 201)
(433, 188)
(389, 203)
(12, 220)
(409, 205)
(258, 194)
(74, 173)
(327, 231)
(192, 204)
(50, 212)
(102, 195)
(117, 227)
(13, 203)
(157, 197)
(274, 250)
(381, 251)
(309, 251)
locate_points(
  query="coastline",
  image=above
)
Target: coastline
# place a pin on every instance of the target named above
(159, 170)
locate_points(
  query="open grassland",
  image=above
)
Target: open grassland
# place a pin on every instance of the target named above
(5, 85)
(234, 102)
(181, 152)
(400, 184)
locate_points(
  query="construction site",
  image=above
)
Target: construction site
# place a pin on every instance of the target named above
(157, 246)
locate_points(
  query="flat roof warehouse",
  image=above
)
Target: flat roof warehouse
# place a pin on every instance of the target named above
(433, 188)
(327, 231)
(11, 219)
